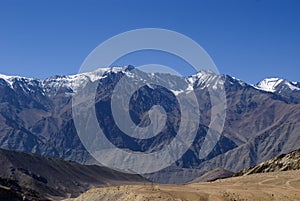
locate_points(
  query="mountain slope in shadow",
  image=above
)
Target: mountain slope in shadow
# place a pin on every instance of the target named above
(55, 178)
(10, 190)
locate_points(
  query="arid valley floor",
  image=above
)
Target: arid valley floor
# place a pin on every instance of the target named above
(281, 186)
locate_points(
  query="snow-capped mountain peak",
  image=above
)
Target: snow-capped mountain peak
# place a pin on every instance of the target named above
(276, 85)
(27, 84)
(9, 79)
(269, 84)
(73, 82)
(202, 78)
(208, 79)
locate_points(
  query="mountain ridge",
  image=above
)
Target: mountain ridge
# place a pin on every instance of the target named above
(267, 84)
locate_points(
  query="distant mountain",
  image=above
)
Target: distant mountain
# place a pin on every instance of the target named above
(284, 162)
(35, 177)
(262, 121)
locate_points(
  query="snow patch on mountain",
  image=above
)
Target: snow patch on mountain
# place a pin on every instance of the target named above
(177, 92)
(292, 86)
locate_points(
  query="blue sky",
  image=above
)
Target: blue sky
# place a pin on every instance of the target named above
(249, 39)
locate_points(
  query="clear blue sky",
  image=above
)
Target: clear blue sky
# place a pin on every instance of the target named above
(249, 39)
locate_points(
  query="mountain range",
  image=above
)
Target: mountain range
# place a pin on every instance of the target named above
(262, 120)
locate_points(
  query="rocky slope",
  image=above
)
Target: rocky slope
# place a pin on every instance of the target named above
(218, 173)
(54, 178)
(36, 117)
(283, 162)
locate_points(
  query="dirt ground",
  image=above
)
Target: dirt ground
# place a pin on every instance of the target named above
(281, 186)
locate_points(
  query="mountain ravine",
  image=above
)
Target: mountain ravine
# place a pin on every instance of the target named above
(262, 121)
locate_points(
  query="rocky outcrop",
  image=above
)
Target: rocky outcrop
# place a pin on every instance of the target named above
(284, 162)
